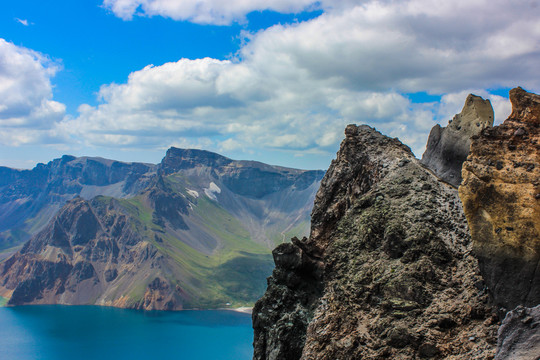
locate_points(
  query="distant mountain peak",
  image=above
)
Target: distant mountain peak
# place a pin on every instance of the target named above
(179, 159)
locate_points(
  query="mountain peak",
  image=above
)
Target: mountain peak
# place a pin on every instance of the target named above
(178, 159)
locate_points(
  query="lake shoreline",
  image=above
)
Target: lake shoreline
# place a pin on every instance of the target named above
(241, 309)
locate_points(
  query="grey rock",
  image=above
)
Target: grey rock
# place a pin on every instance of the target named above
(447, 147)
(386, 272)
(519, 335)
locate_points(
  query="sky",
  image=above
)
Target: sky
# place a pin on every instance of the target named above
(275, 81)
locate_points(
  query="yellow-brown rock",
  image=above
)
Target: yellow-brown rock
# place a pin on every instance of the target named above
(501, 199)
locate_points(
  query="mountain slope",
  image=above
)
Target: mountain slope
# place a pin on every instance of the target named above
(197, 235)
(30, 198)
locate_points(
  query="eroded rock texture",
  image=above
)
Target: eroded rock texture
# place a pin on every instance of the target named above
(501, 198)
(91, 253)
(519, 335)
(386, 272)
(447, 147)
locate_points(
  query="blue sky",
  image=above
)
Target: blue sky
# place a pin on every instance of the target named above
(126, 79)
(94, 47)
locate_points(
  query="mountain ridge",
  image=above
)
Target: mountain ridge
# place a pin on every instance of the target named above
(29, 198)
(208, 218)
(400, 264)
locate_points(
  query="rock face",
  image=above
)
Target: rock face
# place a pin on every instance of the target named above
(519, 335)
(447, 148)
(197, 233)
(30, 198)
(92, 252)
(501, 198)
(247, 178)
(386, 272)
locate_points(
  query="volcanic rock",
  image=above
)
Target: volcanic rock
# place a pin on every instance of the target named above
(500, 195)
(447, 147)
(519, 335)
(386, 272)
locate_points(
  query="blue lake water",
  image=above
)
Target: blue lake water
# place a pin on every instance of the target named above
(54, 332)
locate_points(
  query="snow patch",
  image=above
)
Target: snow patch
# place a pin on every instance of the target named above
(212, 190)
(193, 193)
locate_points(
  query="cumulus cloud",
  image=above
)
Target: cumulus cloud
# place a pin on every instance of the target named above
(202, 11)
(27, 111)
(295, 87)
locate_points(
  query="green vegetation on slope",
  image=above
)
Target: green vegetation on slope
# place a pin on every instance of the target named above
(12, 238)
(3, 301)
(244, 278)
(234, 273)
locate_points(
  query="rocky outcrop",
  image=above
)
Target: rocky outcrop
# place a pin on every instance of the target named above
(519, 335)
(386, 272)
(447, 147)
(282, 315)
(501, 198)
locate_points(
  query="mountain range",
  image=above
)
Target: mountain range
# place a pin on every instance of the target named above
(194, 231)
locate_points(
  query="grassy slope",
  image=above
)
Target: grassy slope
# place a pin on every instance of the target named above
(3, 301)
(235, 273)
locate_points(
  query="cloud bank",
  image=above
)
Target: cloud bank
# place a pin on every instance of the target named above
(27, 111)
(215, 12)
(293, 88)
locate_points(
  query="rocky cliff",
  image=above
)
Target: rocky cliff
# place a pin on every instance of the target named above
(198, 234)
(501, 198)
(386, 272)
(447, 147)
(92, 252)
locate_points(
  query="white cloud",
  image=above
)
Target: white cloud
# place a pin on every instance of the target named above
(291, 88)
(202, 11)
(295, 87)
(22, 21)
(27, 111)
